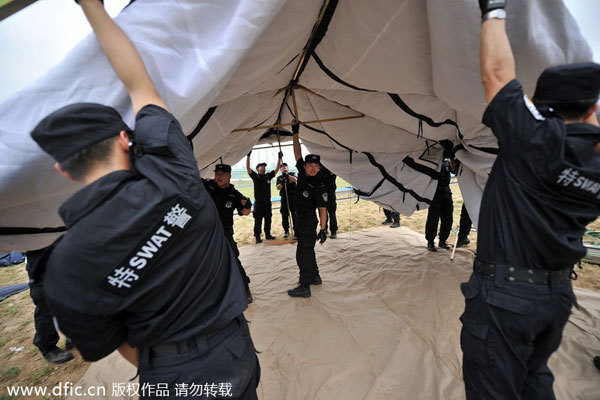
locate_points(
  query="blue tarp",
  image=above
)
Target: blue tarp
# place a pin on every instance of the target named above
(12, 258)
(12, 289)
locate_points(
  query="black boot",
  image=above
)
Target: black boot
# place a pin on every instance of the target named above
(462, 242)
(387, 221)
(597, 362)
(57, 356)
(316, 280)
(286, 235)
(300, 291)
(443, 245)
(395, 225)
(258, 239)
(270, 237)
(333, 235)
(431, 246)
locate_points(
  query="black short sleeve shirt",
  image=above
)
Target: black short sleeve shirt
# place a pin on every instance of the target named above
(311, 192)
(144, 259)
(543, 188)
(262, 186)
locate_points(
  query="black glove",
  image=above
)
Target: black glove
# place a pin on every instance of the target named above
(248, 204)
(322, 236)
(489, 5)
(250, 152)
(295, 128)
(280, 154)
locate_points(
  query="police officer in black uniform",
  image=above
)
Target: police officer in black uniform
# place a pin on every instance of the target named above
(311, 195)
(464, 228)
(542, 191)
(441, 209)
(391, 217)
(329, 180)
(46, 337)
(286, 184)
(227, 199)
(144, 266)
(262, 196)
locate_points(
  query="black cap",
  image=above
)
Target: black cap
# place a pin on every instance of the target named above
(312, 158)
(262, 164)
(77, 127)
(567, 83)
(223, 167)
(283, 164)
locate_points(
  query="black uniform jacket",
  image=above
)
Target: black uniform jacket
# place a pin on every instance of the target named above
(544, 187)
(328, 179)
(227, 200)
(287, 183)
(262, 187)
(311, 193)
(144, 259)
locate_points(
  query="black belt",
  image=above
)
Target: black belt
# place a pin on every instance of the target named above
(522, 275)
(183, 346)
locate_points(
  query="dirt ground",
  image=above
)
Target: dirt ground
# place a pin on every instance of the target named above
(27, 367)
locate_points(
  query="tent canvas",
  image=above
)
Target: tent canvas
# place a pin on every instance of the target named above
(410, 66)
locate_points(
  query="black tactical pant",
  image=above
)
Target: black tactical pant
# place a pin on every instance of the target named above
(441, 209)
(45, 337)
(236, 252)
(285, 213)
(465, 223)
(262, 211)
(391, 215)
(226, 366)
(509, 332)
(305, 249)
(331, 209)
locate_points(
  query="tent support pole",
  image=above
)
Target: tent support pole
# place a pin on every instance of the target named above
(255, 128)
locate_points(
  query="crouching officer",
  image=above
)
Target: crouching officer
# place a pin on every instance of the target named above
(227, 199)
(311, 194)
(144, 266)
(542, 192)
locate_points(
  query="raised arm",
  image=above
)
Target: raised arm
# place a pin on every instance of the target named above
(280, 155)
(248, 169)
(122, 55)
(495, 55)
(296, 141)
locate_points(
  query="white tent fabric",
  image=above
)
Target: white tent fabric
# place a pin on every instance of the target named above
(410, 66)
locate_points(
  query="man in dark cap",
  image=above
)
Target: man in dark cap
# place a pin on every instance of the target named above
(262, 196)
(227, 199)
(286, 184)
(311, 194)
(144, 266)
(542, 191)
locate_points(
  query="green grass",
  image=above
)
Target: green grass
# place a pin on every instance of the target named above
(9, 373)
(39, 373)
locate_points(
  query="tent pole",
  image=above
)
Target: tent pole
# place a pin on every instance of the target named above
(13, 6)
(255, 128)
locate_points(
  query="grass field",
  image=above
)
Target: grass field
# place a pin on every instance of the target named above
(27, 367)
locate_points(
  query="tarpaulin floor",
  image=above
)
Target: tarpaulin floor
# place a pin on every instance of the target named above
(384, 324)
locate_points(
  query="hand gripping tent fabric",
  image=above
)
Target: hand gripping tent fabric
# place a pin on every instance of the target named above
(375, 86)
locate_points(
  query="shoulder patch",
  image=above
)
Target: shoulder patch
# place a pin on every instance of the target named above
(532, 109)
(127, 273)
